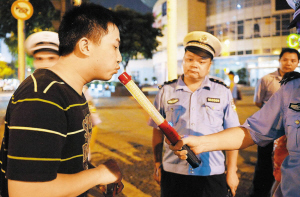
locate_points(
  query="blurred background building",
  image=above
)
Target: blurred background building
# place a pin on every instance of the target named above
(252, 32)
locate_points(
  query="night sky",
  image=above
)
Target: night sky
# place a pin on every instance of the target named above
(137, 5)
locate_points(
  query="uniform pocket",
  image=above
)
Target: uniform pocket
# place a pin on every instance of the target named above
(292, 132)
(214, 113)
(173, 113)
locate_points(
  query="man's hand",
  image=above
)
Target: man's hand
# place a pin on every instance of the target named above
(114, 183)
(112, 189)
(232, 181)
(112, 172)
(194, 142)
(157, 172)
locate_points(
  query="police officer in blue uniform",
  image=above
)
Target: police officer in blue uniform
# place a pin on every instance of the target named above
(196, 105)
(279, 116)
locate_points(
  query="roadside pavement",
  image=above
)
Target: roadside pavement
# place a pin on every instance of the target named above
(125, 136)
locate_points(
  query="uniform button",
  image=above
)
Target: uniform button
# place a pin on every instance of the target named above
(193, 108)
(297, 121)
(192, 124)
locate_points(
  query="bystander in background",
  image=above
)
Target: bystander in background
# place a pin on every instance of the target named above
(263, 176)
(236, 94)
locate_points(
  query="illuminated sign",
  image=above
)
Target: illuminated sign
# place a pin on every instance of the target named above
(293, 41)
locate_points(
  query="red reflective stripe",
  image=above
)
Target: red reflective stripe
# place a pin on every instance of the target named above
(169, 132)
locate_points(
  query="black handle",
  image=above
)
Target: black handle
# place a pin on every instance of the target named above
(192, 158)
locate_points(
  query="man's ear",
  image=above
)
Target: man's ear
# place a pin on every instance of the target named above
(84, 46)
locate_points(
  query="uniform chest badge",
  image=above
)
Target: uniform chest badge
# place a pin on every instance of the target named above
(213, 100)
(173, 101)
(295, 106)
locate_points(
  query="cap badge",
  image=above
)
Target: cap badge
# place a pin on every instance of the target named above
(204, 39)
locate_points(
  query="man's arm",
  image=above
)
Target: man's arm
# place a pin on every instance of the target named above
(229, 139)
(157, 145)
(67, 184)
(266, 125)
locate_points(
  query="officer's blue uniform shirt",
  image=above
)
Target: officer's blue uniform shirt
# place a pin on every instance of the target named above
(279, 116)
(208, 110)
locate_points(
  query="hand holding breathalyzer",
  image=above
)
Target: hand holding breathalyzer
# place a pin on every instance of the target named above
(111, 189)
(166, 128)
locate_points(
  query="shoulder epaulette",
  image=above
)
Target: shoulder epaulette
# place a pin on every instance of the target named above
(289, 77)
(167, 82)
(218, 81)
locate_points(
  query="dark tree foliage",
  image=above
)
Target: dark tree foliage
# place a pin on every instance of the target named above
(243, 75)
(138, 36)
(43, 14)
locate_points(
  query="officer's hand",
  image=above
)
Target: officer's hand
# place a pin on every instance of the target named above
(232, 181)
(157, 172)
(194, 142)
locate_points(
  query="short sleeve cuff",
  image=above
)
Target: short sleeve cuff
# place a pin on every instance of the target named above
(256, 136)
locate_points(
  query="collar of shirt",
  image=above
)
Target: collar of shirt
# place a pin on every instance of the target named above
(277, 74)
(206, 84)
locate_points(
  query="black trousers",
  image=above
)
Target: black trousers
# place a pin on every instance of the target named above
(263, 176)
(176, 185)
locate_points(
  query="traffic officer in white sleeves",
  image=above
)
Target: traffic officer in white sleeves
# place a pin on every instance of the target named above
(196, 105)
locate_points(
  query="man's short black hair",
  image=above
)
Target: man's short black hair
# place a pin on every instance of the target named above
(87, 20)
(289, 50)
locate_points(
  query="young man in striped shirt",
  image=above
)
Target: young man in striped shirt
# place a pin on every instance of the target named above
(48, 123)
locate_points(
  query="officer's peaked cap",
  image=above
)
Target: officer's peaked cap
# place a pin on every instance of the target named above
(204, 41)
(44, 40)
